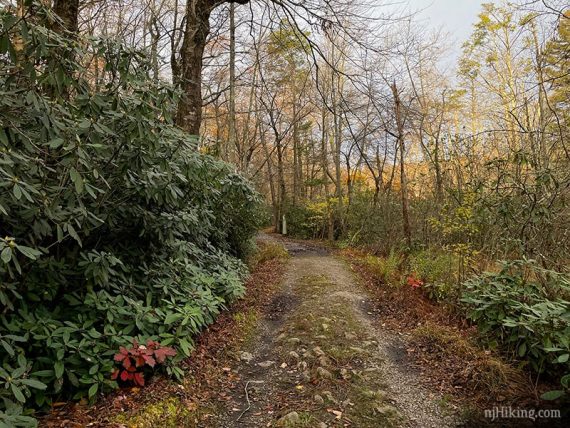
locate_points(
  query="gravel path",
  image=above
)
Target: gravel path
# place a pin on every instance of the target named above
(320, 361)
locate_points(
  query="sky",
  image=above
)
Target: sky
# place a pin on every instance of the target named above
(455, 17)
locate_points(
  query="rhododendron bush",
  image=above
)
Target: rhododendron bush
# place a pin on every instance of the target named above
(114, 227)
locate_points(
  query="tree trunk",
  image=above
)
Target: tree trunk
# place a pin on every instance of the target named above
(174, 39)
(324, 162)
(232, 143)
(68, 13)
(189, 115)
(274, 202)
(296, 156)
(349, 182)
(337, 148)
(438, 174)
(403, 179)
(376, 192)
(67, 25)
(154, 31)
(282, 193)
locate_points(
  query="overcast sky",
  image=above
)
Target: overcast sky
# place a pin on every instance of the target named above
(455, 16)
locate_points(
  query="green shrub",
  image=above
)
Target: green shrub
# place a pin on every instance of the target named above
(385, 269)
(438, 271)
(522, 309)
(377, 226)
(298, 221)
(559, 393)
(310, 220)
(114, 226)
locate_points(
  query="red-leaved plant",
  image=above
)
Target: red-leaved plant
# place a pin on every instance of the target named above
(414, 282)
(136, 359)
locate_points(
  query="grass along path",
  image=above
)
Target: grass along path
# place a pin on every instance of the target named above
(317, 360)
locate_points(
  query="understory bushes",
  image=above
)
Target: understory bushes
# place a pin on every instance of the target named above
(522, 310)
(438, 271)
(525, 310)
(114, 228)
(311, 220)
(385, 269)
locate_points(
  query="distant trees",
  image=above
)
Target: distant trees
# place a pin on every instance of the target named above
(557, 78)
(301, 98)
(340, 143)
(512, 111)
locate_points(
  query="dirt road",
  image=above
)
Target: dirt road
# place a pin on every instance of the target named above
(319, 359)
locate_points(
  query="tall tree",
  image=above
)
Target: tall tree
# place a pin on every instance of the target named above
(400, 137)
(557, 58)
(232, 113)
(196, 30)
(68, 13)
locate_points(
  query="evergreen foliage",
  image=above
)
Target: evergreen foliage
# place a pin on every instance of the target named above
(114, 227)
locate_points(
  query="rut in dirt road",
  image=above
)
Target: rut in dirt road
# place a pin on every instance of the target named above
(318, 360)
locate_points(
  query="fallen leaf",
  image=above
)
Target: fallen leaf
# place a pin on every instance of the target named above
(337, 413)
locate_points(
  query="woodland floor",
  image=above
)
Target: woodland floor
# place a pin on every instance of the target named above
(309, 347)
